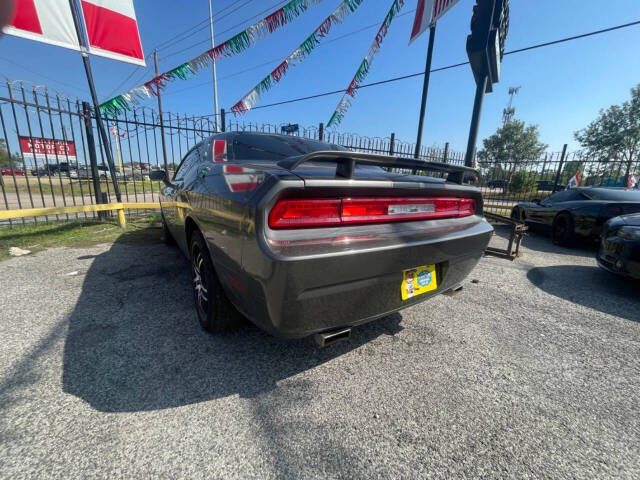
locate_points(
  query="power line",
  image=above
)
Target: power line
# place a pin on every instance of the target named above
(279, 59)
(404, 77)
(194, 27)
(257, 15)
(144, 71)
(133, 72)
(199, 30)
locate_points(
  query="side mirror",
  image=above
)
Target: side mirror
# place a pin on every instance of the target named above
(160, 176)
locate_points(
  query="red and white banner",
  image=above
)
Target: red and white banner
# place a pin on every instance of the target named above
(48, 21)
(48, 148)
(428, 12)
(574, 182)
(113, 30)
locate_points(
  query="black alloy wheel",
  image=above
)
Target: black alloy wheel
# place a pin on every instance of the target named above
(215, 312)
(562, 230)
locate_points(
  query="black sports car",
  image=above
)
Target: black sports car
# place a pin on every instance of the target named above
(306, 237)
(620, 246)
(578, 212)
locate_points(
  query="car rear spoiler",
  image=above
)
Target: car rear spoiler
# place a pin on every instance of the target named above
(347, 163)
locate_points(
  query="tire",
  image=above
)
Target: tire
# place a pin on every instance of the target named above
(562, 232)
(166, 234)
(215, 312)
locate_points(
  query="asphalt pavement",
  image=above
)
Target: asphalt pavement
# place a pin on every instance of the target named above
(533, 371)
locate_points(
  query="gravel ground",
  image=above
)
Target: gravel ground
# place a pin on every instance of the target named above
(533, 371)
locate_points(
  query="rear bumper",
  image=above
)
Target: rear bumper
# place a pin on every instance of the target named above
(296, 296)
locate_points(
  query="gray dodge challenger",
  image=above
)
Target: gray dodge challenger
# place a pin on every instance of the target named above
(304, 237)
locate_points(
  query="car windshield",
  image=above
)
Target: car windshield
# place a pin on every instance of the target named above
(275, 147)
(612, 194)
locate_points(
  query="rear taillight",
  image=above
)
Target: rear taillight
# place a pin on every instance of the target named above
(305, 213)
(299, 213)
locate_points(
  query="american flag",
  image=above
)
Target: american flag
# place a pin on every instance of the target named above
(428, 12)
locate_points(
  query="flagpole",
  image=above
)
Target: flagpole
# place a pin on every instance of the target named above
(94, 97)
(213, 62)
(425, 88)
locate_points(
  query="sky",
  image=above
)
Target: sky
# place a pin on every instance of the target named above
(563, 86)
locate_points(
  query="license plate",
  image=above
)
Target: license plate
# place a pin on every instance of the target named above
(419, 280)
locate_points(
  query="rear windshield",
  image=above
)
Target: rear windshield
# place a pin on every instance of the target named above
(612, 194)
(275, 147)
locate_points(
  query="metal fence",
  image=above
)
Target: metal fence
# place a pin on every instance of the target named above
(45, 141)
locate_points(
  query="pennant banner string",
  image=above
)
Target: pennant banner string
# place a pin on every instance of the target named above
(247, 102)
(365, 65)
(236, 44)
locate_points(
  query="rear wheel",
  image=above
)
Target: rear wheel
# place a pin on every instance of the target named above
(215, 311)
(562, 230)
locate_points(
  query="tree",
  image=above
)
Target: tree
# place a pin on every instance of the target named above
(615, 135)
(514, 145)
(12, 161)
(523, 182)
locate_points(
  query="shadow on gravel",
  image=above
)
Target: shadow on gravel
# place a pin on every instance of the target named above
(591, 287)
(134, 343)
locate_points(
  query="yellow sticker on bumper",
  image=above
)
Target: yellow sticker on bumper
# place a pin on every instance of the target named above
(419, 280)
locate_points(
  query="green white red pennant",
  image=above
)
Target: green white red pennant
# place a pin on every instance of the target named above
(247, 102)
(365, 65)
(236, 44)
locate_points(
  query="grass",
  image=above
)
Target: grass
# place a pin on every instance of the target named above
(55, 188)
(142, 230)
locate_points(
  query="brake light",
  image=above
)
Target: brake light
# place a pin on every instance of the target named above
(305, 213)
(299, 213)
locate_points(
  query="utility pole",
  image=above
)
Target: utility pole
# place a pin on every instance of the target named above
(507, 113)
(213, 63)
(425, 89)
(94, 97)
(164, 145)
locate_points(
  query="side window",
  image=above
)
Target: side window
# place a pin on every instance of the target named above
(557, 197)
(205, 151)
(185, 165)
(575, 195)
(202, 156)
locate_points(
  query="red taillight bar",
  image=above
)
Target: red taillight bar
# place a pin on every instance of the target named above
(330, 212)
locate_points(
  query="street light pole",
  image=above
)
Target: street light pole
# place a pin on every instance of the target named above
(213, 60)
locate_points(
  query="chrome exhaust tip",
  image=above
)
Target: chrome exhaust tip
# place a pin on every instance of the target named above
(328, 338)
